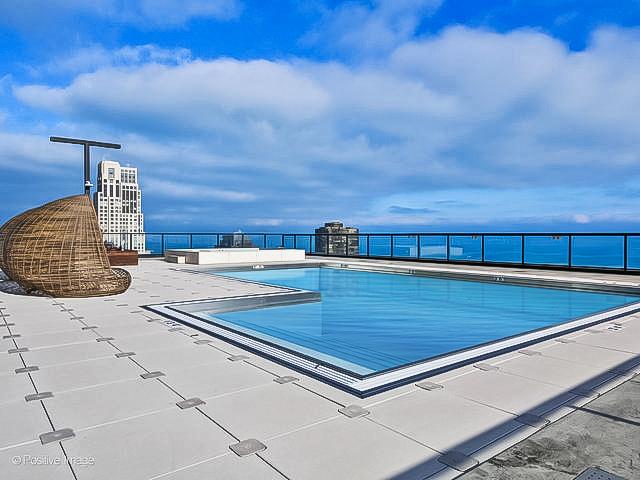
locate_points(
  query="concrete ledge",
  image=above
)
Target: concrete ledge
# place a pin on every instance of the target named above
(221, 256)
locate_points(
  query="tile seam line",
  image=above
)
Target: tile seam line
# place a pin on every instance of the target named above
(310, 390)
(64, 452)
(608, 348)
(404, 435)
(218, 424)
(261, 456)
(304, 427)
(126, 419)
(578, 362)
(155, 477)
(551, 384)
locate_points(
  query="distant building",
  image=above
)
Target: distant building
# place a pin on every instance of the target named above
(118, 203)
(336, 239)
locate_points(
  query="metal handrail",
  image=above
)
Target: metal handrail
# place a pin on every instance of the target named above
(363, 247)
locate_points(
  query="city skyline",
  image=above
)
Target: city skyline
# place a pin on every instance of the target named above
(413, 115)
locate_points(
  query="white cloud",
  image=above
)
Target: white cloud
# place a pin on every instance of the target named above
(192, 191)
(33, 153)
(466, 108)
(367, 28)
(198, 94)
(91, 58)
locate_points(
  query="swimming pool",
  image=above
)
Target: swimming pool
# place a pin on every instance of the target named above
(372, 324)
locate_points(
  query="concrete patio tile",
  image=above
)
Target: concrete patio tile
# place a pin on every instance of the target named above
(7, 343)
(28, 329)
(443, 421)
(35, 461)
(84, 374)
(206, 381)
(170, 360)
(157, 341)
(228, 467)
(508, 392)
(556, 371)
(9, 362)
(21, 422)
(590, 355)
(48, 356)
(269, 410)
(165, 441)
(14, 387)
(614, 340)
(107, 403)
(350, 448)
(125, 331)
(57, 338)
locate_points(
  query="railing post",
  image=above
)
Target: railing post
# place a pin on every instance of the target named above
(626, 252)
(264, 241)
(346, 245)
(569, 260)
(448, 243)
(482, 247)
(295, 240)
(418, 244)
(162, 244)
(326, 243)
(368, 251)
(391, 241)
(191, 240)
(522, 247)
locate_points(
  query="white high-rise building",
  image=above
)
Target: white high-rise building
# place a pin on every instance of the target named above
(118, 202)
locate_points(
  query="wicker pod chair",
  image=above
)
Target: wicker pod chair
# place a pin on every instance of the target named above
(57, 249)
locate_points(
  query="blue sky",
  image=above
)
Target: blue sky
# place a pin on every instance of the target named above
(388, 114)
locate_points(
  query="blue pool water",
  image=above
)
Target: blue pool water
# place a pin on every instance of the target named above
(367, 322)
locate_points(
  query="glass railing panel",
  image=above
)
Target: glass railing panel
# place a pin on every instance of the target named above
(633, 252)
(380, 245)
(336, 244)
(230, 240)
(362, 245)
(546, 249)
(353, 245)
(303, 242)
(153, 243)
(405, 246)
(204, 241)
(274, 241)
(177, 241)
(433, 246)
(503, 248)
(601, 251)
(254, 241)
(465, 247)
(289, 241)
(321, 244)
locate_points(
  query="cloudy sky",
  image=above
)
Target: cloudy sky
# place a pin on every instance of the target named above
(388, 114)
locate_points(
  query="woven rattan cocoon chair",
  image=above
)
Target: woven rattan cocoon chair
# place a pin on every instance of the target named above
(58, 249)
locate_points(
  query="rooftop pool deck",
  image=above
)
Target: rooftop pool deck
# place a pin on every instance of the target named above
(102, 388)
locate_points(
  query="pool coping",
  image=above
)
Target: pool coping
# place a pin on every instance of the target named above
(370, 384)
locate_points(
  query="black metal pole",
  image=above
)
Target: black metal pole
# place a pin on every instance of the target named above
(87, 144)
(87, 170)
